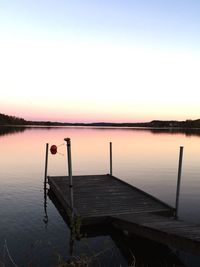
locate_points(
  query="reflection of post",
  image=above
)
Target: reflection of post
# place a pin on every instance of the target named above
(110, 158)
(71, 243)
(70, 174)
(45, 220)
(179, 180)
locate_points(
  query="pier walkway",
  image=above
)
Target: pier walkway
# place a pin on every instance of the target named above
(165, 230)
(106, 199)
(97, 197)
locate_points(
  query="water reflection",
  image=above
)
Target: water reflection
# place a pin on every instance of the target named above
(5, 130)
(66, 217)
(136, 251)
(144, 158)
(45, 219)
(187, 132)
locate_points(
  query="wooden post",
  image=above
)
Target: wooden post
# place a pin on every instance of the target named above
(179, 180)
(110, 158)
(46, 164)
(70, 172)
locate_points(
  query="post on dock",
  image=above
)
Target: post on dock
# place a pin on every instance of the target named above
(179, 180)
(70, 173)
(46, 164)
(111, 158)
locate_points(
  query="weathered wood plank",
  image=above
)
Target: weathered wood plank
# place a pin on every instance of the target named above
(161, 229)
(98, 198)
(106, 195)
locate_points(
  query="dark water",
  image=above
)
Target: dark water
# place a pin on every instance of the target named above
(33, 232)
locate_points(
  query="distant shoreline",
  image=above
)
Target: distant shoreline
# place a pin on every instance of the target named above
(6, 120)
(11, 129)
(170, 128)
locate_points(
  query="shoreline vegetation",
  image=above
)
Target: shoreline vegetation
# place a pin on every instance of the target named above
(6, 120)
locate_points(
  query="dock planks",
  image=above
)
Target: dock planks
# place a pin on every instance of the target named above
(165, 230)
(104, 195)
(105, 198)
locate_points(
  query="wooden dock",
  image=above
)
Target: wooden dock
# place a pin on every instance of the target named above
(165, 230)
(97, 197)
(106, 199)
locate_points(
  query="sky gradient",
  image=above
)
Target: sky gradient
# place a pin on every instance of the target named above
(120, 61)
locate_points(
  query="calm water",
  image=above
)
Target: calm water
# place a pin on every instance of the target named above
(145, 158)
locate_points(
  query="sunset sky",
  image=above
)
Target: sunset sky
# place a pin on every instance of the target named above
(108, 60)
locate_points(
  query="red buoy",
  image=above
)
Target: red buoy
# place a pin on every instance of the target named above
(53, 149)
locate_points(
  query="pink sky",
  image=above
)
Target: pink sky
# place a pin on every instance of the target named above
(94, 68)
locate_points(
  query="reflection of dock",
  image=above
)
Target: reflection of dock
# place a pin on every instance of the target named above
(106, 199)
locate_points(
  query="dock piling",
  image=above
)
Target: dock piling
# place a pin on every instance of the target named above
(111, 158)
(179, 181)
(46, 164)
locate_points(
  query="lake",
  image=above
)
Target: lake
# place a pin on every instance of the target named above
(32, 230)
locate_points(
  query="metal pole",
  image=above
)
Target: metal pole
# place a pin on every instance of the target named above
(179, 180)
(46, 164)
(110, 158)
(70, 172)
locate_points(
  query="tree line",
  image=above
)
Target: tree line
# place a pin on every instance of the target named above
(187, 124)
